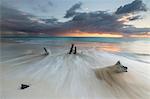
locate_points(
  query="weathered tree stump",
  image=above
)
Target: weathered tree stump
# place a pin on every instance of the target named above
(71, 49)
(75, 50)
(46, 52)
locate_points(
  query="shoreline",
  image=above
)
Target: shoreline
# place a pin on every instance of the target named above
(63, 76)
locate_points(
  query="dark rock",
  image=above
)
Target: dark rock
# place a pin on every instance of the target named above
(24, 86)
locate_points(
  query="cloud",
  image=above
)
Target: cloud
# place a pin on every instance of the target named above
(135, 6)
(102, 21)
(43, 7)
(95, 22)
(72, 11)
(18, 21)
(134, 30)
(92, 22)
(137, 17)
(52, 20)
(12, 19)
(50, 3)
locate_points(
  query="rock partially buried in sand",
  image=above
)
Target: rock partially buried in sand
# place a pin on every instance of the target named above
(117, 68)
(120, 68)
(24, 86)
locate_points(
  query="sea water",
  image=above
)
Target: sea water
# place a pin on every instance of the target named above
(133, 48)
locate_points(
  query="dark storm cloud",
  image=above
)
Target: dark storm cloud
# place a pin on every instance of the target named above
(17, 21)
(52, 20)
(135, 18)
(98, 21)
(94, 22)
(132, 29)
(12, 19)
(102, 21)
(72, 11)
(135, 6)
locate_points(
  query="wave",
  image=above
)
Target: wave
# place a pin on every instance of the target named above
(60, 75)
(137, 47)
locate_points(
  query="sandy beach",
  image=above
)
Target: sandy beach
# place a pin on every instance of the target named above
(67, 76)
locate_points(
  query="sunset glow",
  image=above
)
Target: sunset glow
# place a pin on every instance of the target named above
(111, 35)
(84, 34)
(110, 47)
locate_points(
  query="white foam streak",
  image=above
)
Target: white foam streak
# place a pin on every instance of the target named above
(64, 76)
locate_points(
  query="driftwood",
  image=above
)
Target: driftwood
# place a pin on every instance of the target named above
(71, 49)
(46, 52)
(75, 50)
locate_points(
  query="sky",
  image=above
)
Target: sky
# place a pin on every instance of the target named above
(100, 18)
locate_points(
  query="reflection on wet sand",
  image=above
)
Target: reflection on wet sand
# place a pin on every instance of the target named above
(109, 47)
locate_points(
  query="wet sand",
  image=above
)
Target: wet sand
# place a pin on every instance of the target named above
(63, 76)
